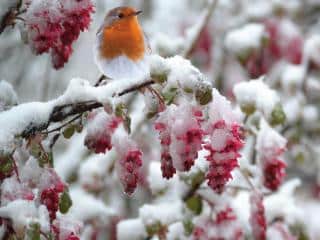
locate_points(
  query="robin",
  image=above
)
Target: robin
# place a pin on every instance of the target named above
(121, 48)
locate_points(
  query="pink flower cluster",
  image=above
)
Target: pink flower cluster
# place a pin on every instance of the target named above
(223, 154)
(100, 129)
(270, 146)
(285, 43)
(54, 25)
(183, 133)
(180, 137)
(129, 163)
(224, 143)
(257, 216)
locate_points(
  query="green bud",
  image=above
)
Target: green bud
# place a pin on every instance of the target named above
(277, 116)
(248, 108)
(204, 94)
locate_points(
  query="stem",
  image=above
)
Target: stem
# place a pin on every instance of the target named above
(63, 125)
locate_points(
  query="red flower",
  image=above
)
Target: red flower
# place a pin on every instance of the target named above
(50, 198)
(257, 217)
(55, 27)
(223, 154)
(180, 136)
(100, 130)
(274, 172)
(130, 165)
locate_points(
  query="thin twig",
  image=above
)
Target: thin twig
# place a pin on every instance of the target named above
(63, 125)
(135, 88)
(204, 21)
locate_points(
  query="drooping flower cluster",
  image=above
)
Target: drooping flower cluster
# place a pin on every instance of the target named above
(270, 146)
(257, 216)
(129, 162)
(35, 194)
(50, 189)
(284, 43)
(99, 133)
(224, 143)
(180, 137)
(53, 26)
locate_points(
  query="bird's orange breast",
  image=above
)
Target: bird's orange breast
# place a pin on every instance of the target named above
(124, 38)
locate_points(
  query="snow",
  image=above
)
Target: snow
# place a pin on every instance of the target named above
(93, 170)
(292, 108)
(258, 94)
(87, 207)
(156, 182)
(21, 213)
(269, 140)
(14, 121)
(131, 229)
(8, 96)
(312, 49)
(245, 38)
(283, 204)
(220, 109)
(175, 231)
(292, 77)
(181, 73)
(164, 213)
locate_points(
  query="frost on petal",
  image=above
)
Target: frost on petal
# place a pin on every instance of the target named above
(12, 189)
(129, 162)
(270, 146)
(257, 216)
(53, 26)
(67, 228)
(224, 142)
(181, 136)
(100, 130)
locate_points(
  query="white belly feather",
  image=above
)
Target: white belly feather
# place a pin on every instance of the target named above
(121, 67)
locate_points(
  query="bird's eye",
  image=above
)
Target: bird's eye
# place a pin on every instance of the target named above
(120, 15)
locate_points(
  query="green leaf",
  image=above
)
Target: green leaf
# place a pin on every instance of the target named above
(170, 95)
(197, 179)
(160, 78)
(79, 128)
(153, 229)
(34, 231)
(195, 204)
(65, 202)
(69, 131)
(188, 227)
(277, 116)
(127, 123)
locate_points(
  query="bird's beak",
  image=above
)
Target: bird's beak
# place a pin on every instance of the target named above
(137, 13)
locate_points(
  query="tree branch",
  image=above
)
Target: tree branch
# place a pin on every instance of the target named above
(62, 112)
(9, 17)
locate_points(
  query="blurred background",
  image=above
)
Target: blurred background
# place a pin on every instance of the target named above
(288, 52)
